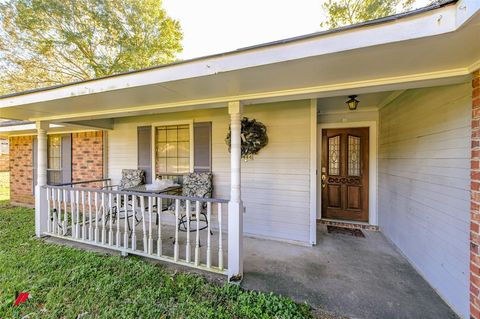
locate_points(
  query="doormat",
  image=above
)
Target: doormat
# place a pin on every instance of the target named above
(345, 231)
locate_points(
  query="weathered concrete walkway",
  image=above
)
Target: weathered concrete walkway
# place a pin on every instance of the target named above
(349, 276)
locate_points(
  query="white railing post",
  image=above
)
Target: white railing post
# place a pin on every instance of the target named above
(41, 214)
(235, 206)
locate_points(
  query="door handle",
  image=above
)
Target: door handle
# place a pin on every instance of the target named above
(324, 177)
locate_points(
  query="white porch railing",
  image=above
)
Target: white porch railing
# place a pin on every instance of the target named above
(157, 226)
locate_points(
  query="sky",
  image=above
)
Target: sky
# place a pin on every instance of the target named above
(215, 26)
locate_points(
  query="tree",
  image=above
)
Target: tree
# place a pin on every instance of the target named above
(347, 12)
(45, 43)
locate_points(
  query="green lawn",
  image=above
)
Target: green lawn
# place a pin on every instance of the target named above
(69, 283)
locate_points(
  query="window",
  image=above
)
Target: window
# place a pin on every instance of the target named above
(59, 159)
(54, 167)
(172, 149)
(4, 147)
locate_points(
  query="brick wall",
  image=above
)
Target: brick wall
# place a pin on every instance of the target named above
(475, 202)
(87, 163)
(87, 156)
(21, 183)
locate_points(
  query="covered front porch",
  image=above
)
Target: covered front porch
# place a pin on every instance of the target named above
(360, 277)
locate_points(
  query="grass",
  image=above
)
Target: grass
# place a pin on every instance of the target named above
(66, 282)
(4, 186)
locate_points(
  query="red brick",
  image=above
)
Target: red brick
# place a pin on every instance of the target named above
(21, 182)
(476, 83)
(474, 227)
(475, 175)
(475, 164)
(474, 290)
(476, 92)
(474, 311)
(476, 103)
(87, 156)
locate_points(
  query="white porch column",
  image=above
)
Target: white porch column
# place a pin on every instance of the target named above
(41, 194)
(235, 206)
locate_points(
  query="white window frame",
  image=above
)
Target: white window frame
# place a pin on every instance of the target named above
(154, 142)
(49, 138)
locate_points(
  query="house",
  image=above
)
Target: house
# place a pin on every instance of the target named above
(4, 149)
(406, 161)
(4, 157)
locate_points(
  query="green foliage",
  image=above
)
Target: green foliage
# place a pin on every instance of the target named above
(51, 42)
(69, 283)
(346, 12)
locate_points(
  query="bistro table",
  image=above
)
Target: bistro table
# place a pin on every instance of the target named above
(151, 189)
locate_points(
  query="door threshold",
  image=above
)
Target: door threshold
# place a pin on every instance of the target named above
(347, 224)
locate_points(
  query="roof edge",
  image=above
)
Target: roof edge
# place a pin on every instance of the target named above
(434, 6)
(14, 123)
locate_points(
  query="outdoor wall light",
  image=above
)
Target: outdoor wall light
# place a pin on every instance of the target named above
(352, 102)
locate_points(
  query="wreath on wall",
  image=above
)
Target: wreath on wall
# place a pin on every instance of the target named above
(254, 137)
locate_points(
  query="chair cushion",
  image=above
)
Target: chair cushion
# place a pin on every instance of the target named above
(197, 185)
(132, 178)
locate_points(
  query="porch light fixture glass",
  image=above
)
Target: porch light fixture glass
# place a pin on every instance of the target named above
(352, 102)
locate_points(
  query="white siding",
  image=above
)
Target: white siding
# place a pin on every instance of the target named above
(275, 184)
(348, 116)
(424, 184)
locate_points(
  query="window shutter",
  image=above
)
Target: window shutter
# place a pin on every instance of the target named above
(144, 134)
(34, 164)
(66, 158)
(202, 147)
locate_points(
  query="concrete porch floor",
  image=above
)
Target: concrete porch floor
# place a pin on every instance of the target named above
(346, 275)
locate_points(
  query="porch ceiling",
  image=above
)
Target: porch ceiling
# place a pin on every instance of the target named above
(433, 48)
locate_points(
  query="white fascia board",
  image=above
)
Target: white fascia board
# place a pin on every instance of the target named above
(465, 9)
(430, 23)
(24, 128)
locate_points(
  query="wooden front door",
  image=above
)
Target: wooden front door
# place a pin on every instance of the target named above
(344, 174)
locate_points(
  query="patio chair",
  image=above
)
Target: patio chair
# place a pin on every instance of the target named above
(130, 178)
(198, 185)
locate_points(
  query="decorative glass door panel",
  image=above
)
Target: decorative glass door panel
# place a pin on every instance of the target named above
(334, 155)
(353, 155)
(344, 172)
